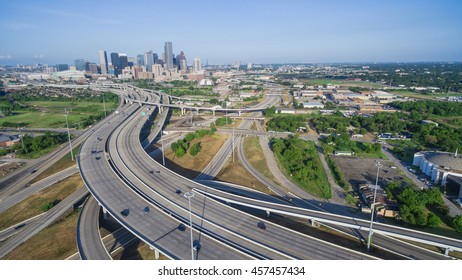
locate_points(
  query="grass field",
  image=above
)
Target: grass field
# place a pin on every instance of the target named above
(55, 242)
(50, 114)
(31, 206)
(256, 157)
(63, 163)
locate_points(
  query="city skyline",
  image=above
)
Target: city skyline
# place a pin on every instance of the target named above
(258, 32)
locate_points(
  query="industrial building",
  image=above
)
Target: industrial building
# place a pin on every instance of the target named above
(439, 165)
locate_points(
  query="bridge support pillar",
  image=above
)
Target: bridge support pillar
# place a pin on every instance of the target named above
(104, 213)
(268, 214)
(156, 252)
(446, 251)
(313, 223)
(239, 113)
(161, 109)
(183, 111)
(213, 112)
(139, 103)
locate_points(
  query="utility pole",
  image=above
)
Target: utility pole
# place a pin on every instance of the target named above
(69, 135)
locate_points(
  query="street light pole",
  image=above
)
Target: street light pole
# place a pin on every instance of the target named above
(162, 141)
(379, 165)
(104, 105)
(69, 136)
(190, 195)
(233, 142)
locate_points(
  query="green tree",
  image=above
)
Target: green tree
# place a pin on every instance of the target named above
(180, 151)
(457, 223)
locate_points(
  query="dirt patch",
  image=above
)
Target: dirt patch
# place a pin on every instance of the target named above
(7, 168)
(191, 166)
(235, 173)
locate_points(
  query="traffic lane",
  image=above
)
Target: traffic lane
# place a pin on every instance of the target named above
(135, 157)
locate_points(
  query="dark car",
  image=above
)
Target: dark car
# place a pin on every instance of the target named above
(146, 209)
(98, 158)
(182, 227)
(125, 212)
(261, 225)
(178, 191)
(196, 245)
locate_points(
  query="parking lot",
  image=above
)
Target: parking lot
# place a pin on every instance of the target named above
(357, 170)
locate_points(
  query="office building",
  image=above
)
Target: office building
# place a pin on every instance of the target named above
(140, 60)
(92, 68)
(123, 60)
(168, 55)
(116, 63)
(62, 67)
(103, 62)
(157, 70)
(148, 60)
(197, 65)
(79, 64)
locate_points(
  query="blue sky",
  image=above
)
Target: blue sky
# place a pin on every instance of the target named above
(258, 31)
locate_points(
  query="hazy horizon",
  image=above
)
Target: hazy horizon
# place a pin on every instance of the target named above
(261, 32)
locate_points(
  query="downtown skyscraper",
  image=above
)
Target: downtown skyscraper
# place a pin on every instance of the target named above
(103, 62)
(168, 55)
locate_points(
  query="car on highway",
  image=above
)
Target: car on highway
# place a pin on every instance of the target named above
(146, 210)
(196, 245)
(125, 212)
(178, 191)
(98, 158)
(181, 227)
(261, 225)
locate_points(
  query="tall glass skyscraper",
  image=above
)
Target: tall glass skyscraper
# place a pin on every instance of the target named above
(168, 55)
(103, 62)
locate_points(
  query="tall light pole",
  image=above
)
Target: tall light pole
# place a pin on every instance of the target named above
(162, 141)
(379, 165)
(233, 142)
(69, 136)
(104, 105)
(22, 140)
(190, 195)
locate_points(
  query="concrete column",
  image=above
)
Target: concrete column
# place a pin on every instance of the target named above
(161, 109)
(156, 252)
(444, 180)
(104, 213)
(268, 214)
(213, 112)
(239, 113)
(446, 251)
(313, 223)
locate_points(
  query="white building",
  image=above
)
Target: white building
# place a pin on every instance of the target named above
(197, 65)
(312, 105)
(438, 165)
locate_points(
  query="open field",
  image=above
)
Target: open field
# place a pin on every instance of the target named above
(63, 163)
(256, 157)
(50, 114)
(190, 166)
(343, 83)
(32, 206)
(234, 172)
(55, 242)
